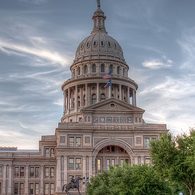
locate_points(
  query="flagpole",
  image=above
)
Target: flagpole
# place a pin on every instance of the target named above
(109, 94)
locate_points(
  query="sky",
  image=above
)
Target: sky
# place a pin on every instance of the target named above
(38, 41)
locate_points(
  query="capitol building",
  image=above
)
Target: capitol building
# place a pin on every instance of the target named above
(101, 126)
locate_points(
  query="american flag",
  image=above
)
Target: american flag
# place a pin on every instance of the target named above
(107, 75)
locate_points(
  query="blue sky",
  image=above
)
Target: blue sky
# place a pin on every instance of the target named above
(38, 40)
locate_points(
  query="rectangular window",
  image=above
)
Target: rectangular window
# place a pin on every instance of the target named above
(147, 160)
(71, 163)
(21, 188)
(47, 152)
(52, 153)
(36, 171)
(36, 189)
(46, 189)
(31, 189)
(21, 171)
(71, 141)
(107, 164)
(16, 172)
(52, 172)
(62, 139)
(47, 171)
(122, 161)
(52, 189)
(146, 142)
(32, 173)
(139, 160)
(16, 190)
(99, 165)
(78, 141)
(113, 162)
(78, 164)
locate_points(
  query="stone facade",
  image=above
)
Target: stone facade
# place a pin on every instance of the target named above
(101, 126)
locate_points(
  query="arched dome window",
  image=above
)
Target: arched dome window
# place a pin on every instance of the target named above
(111, 68)
(93, 68)
(118, 69)
(79, 70)
(102, 97)
(93, 98)
(95, 43)
(109, 45)
(85, 69)
(102, 68)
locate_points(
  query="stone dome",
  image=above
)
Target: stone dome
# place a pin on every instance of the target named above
(99, 44)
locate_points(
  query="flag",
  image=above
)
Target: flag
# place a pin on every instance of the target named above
(107, 75)
(108, 84)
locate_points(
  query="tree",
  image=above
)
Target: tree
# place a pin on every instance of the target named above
(174, 159)
(128, 180)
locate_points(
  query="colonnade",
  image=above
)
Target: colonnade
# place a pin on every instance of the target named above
(84, 95)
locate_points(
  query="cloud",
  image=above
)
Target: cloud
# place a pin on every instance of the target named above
(187, 45)
(155, 64)
(51, 56)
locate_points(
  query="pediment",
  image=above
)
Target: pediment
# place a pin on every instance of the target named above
(112, 105)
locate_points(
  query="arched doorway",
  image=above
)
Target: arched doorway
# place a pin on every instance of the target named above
(111, 155)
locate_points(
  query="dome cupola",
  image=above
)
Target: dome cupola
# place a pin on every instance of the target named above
(99, 44)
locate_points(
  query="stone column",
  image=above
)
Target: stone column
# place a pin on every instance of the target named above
(65, 169)
(84, 171)
(86, 94)
(26, 180)
(76, 98)
(65, 102)
(41, 180)
(90, 166)
(134, 98)
(68, 100)
(128, 94)
(58, 175)
(81, 97)
(120, 92)
(98, 92)
(10, 181)
(4, 180)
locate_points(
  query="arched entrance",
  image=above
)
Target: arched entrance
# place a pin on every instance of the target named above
(111, 155)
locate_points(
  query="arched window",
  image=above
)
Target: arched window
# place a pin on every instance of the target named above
(118, 69)
(79, 70)
(85, 69)
(102, 97)
(93, 98)
(93, 68)
(111, 68)
(102, 68)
